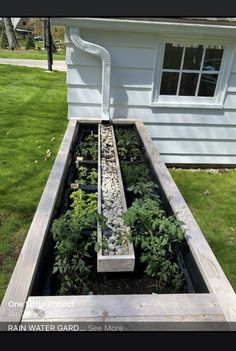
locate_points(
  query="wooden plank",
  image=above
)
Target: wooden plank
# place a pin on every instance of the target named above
(122, 308)
(212, 273)
(21, 281)
(117, 263)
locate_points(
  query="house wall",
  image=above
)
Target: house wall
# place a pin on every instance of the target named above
(181, 135)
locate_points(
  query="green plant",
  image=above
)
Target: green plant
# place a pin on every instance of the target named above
(155, 234)
(73, 253)
(3, 40)
(84, 207)
(132, 173)
(127, 144)
(87, 176)
(70, 259)
(29, 43)
(145, 190)
(88, 148)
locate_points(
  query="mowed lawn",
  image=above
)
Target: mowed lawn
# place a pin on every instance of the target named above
(212, 200)
(30, 54)
(33, 119)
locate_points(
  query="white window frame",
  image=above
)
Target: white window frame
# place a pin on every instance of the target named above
(217, 101)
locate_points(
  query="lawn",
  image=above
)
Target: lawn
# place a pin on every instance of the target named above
(33, 119)
(212, 200)
(30, 54)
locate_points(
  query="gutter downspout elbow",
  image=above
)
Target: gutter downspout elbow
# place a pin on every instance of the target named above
(100, 51)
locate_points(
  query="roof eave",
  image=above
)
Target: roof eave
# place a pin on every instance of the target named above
(146, 26)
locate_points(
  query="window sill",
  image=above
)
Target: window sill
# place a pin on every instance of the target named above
(186, 105)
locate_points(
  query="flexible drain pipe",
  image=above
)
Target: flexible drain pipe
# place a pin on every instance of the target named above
(97, 50)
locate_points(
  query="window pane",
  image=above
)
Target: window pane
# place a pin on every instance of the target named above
(173, 56)
(188, 84)
(193, 58)
(212, 60)
(169, 83)
(208, 85)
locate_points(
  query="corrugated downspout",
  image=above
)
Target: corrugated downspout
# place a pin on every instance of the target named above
(97, 50)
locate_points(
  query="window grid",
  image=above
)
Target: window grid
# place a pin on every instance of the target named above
(181, 70)
(199, 72)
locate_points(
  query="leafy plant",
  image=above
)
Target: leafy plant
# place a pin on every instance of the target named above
(88, 148)
(155, 234)
(74, 253)
(87, 176)
(127, 144)
(132, 173)
(145, 190)
(70, 254)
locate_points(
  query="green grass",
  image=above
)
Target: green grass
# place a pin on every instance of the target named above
(212, 200)
(30, 54)
(33, 119)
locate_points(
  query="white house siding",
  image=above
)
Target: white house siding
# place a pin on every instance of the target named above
(181, 135)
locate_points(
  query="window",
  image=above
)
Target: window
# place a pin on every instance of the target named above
(190, 71)
(191, 74)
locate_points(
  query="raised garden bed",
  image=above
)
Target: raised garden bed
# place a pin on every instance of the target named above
(204, 293)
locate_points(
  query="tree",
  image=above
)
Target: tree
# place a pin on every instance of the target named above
(10, 33)
(3, 40)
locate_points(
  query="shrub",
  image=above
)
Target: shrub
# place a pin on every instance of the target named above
(29, 44)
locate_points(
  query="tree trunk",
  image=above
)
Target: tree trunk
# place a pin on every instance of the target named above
(10, 33)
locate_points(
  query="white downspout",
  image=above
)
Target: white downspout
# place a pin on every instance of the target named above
(97, 50)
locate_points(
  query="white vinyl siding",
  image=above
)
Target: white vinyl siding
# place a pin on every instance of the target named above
(182, 134)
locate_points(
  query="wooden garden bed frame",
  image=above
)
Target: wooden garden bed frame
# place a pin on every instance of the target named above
(219, 305)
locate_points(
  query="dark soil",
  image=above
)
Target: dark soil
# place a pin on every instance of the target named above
(118, 283)
(122, 283)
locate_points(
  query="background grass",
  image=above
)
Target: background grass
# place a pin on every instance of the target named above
(212, 200)
(30, 54)
(33, 119)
